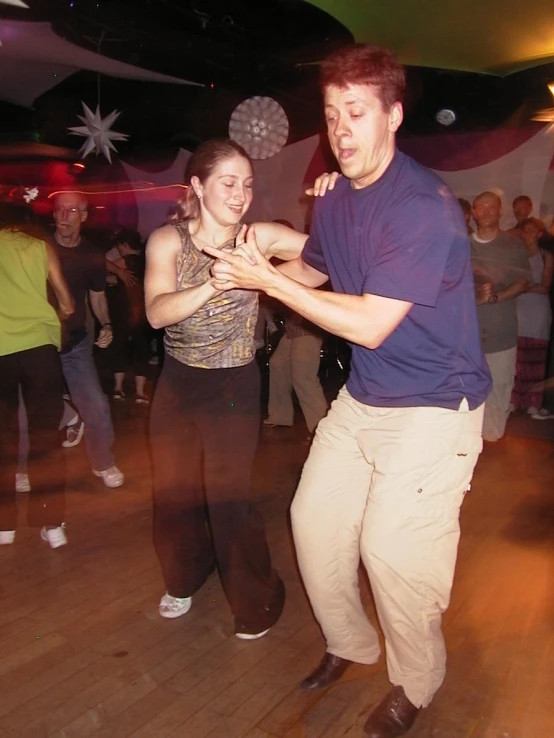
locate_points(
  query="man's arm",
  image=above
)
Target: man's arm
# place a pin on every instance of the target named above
(164, 304)
(544, 287)
(366, 320)
(299, 271)
(66, 304)
(122, 272)
(99, 305)
(513, 290)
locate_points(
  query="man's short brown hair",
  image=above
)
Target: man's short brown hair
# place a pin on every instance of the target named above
(362, 64)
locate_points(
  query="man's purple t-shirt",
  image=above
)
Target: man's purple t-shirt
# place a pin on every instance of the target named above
(404, 237)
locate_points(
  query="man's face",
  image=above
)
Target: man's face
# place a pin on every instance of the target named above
(487, 211)
(522, 210)
(361, 132)
(70, 211)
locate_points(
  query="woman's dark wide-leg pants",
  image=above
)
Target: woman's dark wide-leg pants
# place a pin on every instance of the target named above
(204, 431)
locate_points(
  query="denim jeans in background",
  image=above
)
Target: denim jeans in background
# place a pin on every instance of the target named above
(92, 404)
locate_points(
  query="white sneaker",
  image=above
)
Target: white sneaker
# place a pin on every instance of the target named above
(54, 536)
(74, 433)
(174, 607)
(7, 537)
(543, 414)
(252, 636)
(532, 410)
(112, 477)
(22, 482)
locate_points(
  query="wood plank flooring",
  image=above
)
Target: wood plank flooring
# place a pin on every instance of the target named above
(83, 653)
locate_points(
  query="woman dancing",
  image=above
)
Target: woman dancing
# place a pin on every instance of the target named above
(206, 410)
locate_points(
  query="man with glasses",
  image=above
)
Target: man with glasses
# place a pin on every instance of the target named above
(84, 269)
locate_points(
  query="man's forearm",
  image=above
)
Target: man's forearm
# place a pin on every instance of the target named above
(355, 318)
(99, 306)
(513, 290)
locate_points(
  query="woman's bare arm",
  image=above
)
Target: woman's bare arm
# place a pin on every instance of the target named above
(165, 305)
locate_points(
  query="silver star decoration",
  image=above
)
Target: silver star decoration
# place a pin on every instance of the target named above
(97, 132)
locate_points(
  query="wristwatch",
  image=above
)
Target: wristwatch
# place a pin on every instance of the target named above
(493, 299)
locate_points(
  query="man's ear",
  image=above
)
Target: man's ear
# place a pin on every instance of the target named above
(396, 116)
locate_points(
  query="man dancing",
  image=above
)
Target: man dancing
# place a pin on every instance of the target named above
(390, 464)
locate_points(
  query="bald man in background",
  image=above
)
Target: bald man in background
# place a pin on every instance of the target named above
(502, 273)
(84, 269)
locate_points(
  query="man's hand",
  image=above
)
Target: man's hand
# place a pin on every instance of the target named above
(127, 277)
(245, 268)
(483, 293)
(324, 183)
(105, 337)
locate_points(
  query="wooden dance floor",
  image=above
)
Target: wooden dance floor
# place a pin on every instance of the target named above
(83, 653)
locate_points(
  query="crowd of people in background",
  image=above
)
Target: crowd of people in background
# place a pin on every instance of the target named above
(513, 271)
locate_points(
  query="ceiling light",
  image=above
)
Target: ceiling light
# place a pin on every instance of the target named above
(445, 117)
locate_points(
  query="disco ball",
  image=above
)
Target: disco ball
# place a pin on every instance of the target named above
(260, 126)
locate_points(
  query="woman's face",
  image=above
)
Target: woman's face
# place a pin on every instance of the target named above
(530, 234)
(227, 193)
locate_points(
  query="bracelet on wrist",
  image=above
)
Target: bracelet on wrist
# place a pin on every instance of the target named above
(105, 324)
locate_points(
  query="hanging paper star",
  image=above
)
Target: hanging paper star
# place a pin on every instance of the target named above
(30, 194)
(97, 132)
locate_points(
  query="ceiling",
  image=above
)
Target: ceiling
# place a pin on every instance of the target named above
(466, 35)
(176, 69)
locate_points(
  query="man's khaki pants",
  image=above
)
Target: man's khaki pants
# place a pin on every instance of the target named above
(386, 484)
(295, 365)
(502, 366)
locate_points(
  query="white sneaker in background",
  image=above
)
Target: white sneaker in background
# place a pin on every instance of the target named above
(74, 433)
(252, 636)
(543, 414)
(174, 607)
(532, 410)
(7, 537)
(54, 536)
(112, 477)
(22, 483)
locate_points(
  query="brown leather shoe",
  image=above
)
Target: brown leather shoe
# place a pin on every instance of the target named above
(330, 670)
(393, 717)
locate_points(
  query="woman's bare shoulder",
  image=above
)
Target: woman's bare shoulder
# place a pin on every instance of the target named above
(165, 237)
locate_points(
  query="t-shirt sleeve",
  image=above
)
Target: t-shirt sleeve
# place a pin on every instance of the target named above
(97, 271)
(519, 262)
(412, 251)
(312, 254)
